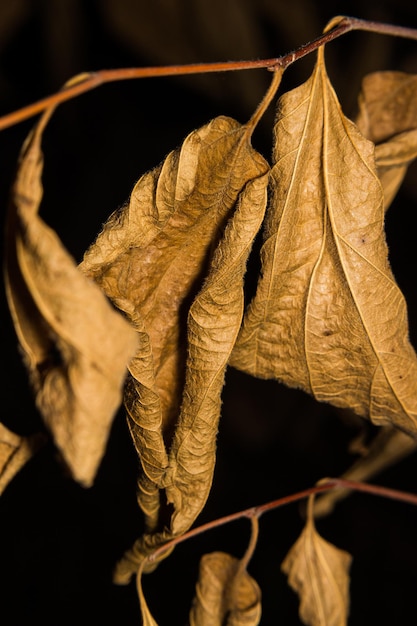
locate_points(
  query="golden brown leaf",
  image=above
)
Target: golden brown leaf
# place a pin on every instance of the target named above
(204, 204)
(225, 594)
(327, 315)
(213, 324)
(15, 451)
(387, 105)
(319, 573)
(76, 346)
(388, 117)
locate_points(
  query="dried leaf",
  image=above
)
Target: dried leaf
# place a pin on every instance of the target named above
(319, 573)
(76, 347)
(387, 105)
(388, 117)
(327, 315)
(213, 324)
(15, 451)
(225, 594)
(151, 260)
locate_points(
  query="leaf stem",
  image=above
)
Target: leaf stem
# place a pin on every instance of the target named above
(324, 485)
(91, 80)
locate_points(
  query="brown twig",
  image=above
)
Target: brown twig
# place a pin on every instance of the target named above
(87, 82)
(255, 512)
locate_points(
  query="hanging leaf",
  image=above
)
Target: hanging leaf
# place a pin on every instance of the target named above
(328, 316)
(388, 117)
(15, 451)
(319, 573)
(151, 259)
(225, 594)
(76, 347)
(213, 324)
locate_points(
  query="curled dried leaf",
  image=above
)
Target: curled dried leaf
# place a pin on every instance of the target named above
(328, 316)
(15, 451)
(76, 346)
(213, 324)
(388, 117)
(319, 573)
(173, 260)
(151, 256)
(225, 594)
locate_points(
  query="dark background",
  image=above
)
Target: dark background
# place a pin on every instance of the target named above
(58, 541)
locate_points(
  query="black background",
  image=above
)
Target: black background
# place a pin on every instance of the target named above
(58, 541)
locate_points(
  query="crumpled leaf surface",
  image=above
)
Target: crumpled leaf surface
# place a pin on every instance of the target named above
(76, 346)
(319, 573)
(388, 117)
(221, 597)
(204, 203)
(328, 316)
(15, 451)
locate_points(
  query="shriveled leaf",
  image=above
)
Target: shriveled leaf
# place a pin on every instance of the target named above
(15, 451)
(328, 316)
(319, 573)
(152, 255)
(151, 259)
(76, 346)
(387, 448)
(225, 594)
(213, 324)
(387, 105)
(388, 117)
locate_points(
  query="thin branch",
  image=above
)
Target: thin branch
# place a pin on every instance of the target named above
(375, 490)
(88, 81)
(325, 485)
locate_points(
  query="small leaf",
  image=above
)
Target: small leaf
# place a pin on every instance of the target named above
(15, 451)
(76, 346)
(225, 594)
(319, 573)
(328, 316)
(388, 117)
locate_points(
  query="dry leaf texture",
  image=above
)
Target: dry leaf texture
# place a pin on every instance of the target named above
(173, 260)
(225, 594)
(388, 117)
(327, 315)
(319, 573)
(76, 346)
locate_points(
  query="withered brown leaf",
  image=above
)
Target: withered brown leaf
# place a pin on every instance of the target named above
(173, 260)
(319, 573)
(15, 451)
(388, 117)
(225, 594)
(76, 346)
(328, 316)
